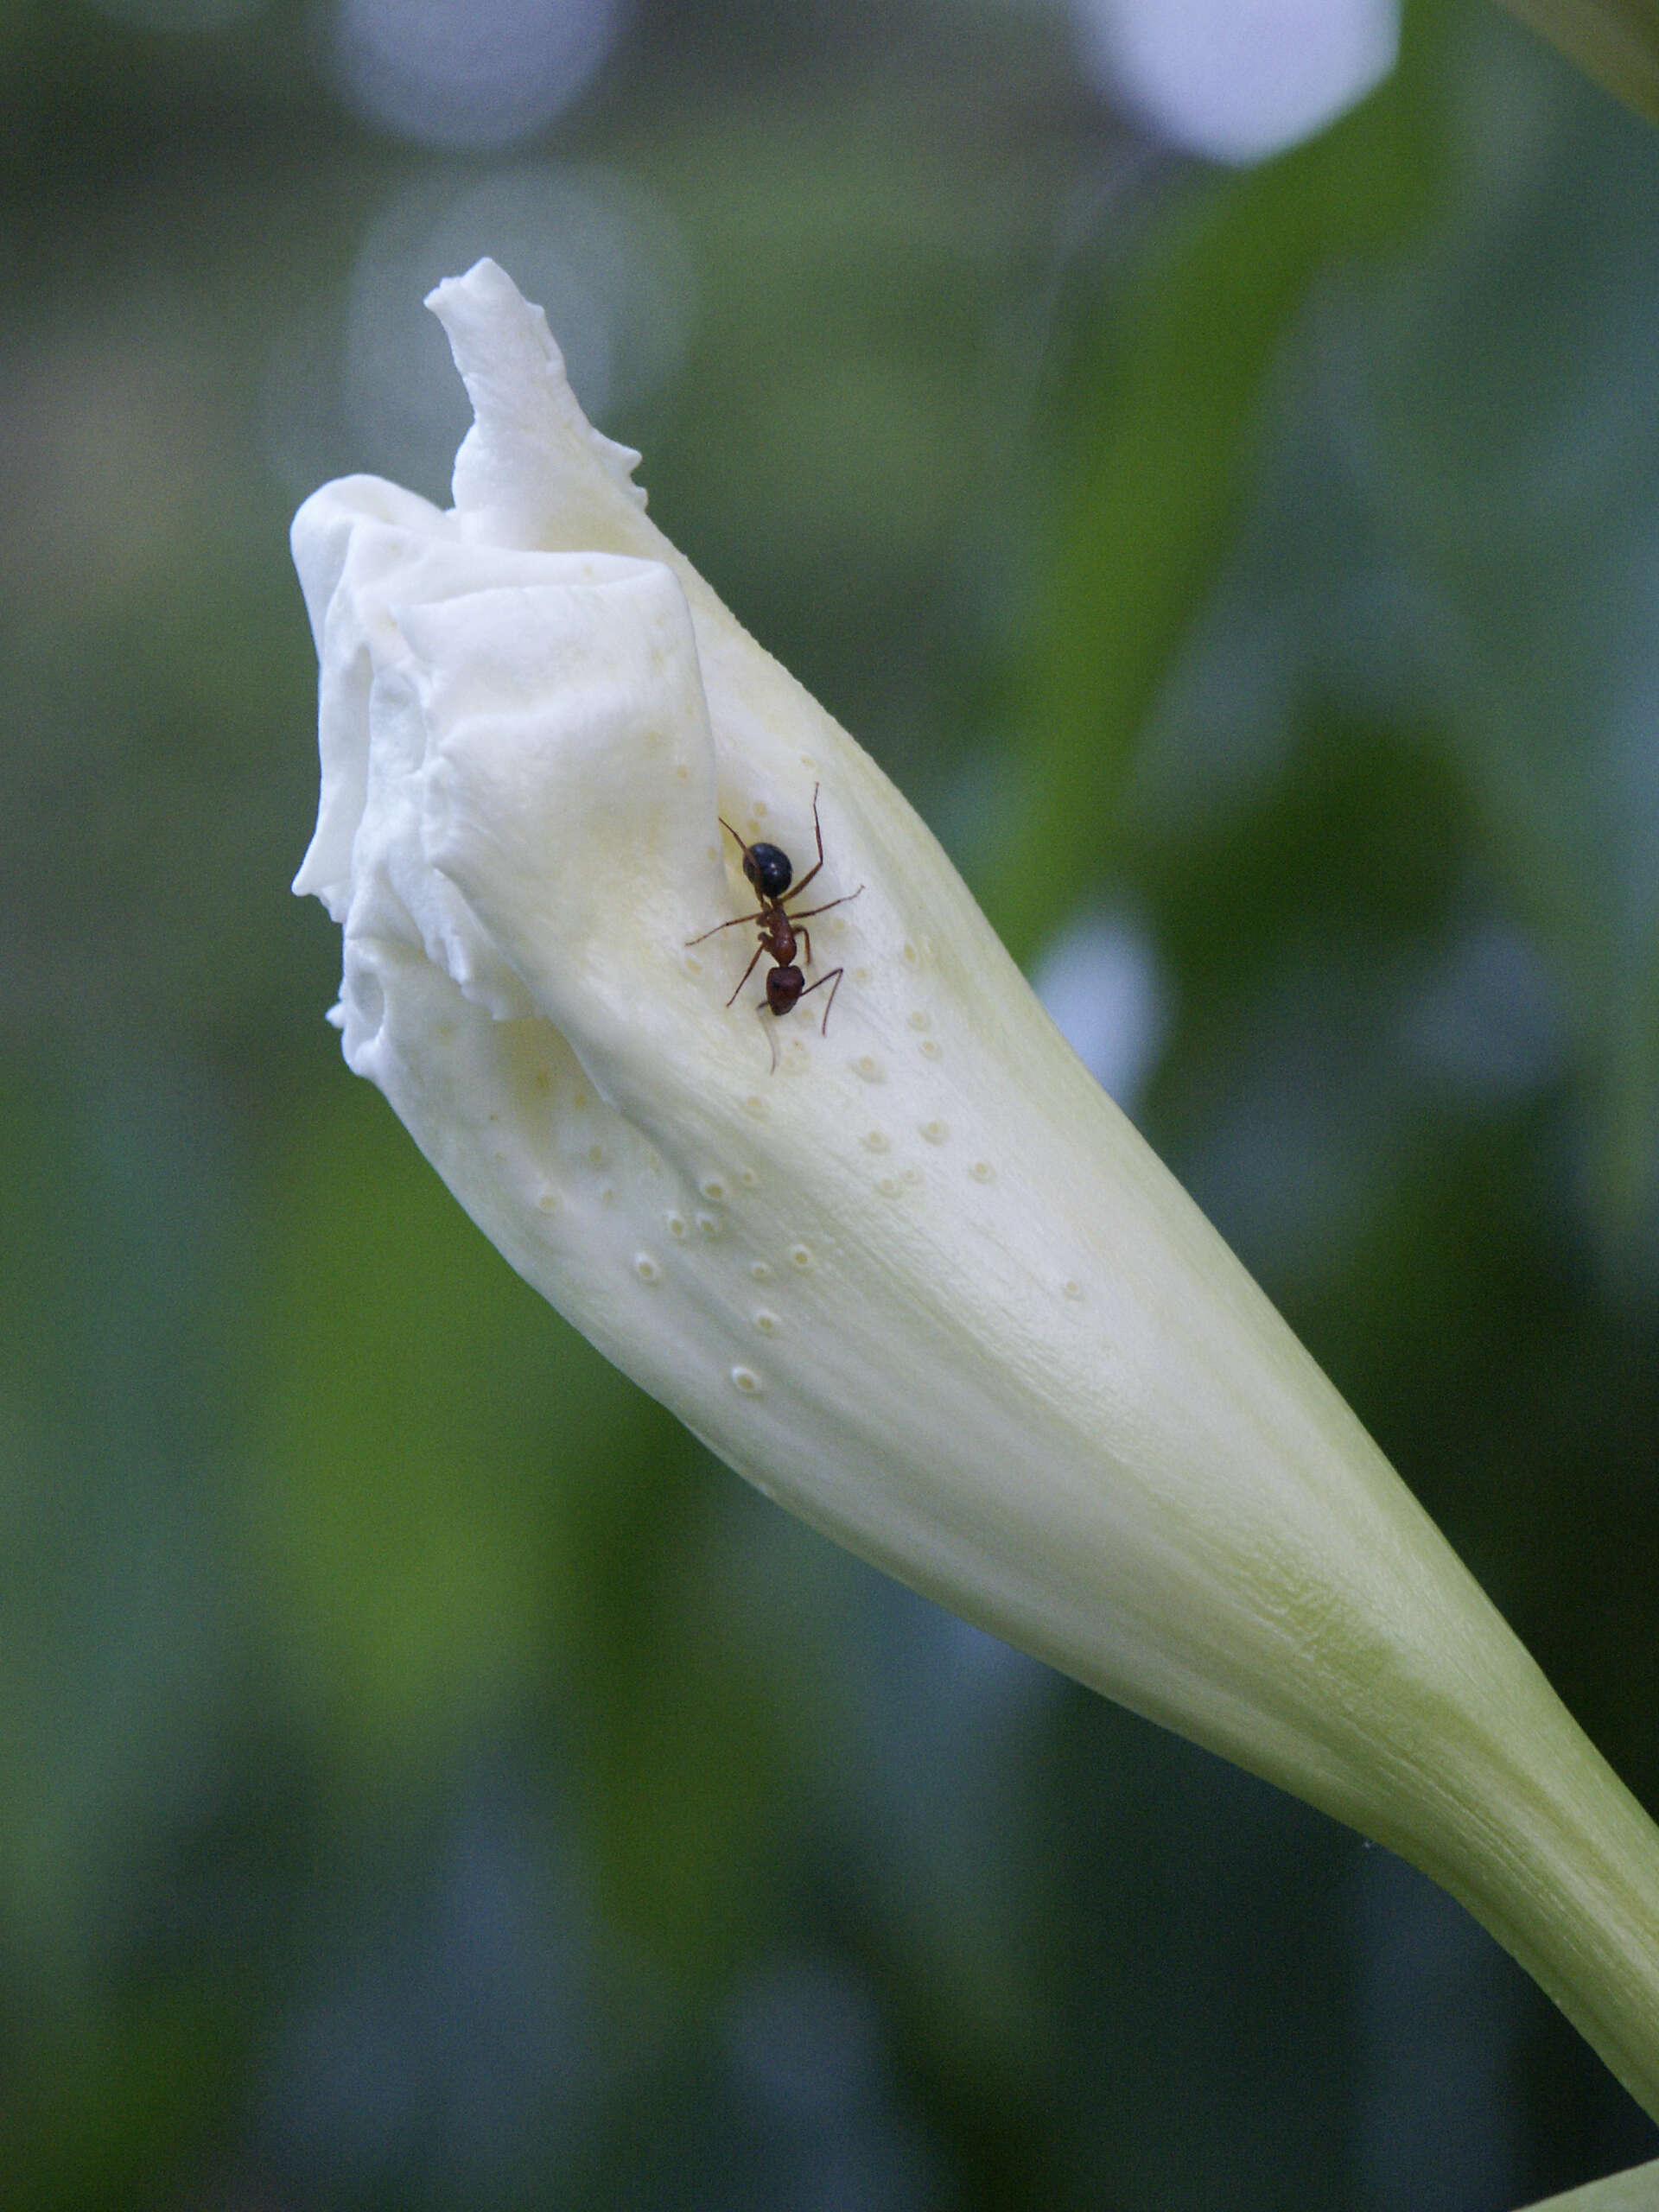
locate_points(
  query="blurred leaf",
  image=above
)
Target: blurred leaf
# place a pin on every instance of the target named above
(122, 1650)
(1615, 41)
(839, 456)
(1512, 452)
(457, 1501)
(115, 1394)
(1162, 409)
(423, 1404)
(107, 2109)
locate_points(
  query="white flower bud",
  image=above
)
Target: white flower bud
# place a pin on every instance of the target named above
(922, 1282)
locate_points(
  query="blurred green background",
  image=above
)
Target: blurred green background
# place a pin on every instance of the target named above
(426, 1779)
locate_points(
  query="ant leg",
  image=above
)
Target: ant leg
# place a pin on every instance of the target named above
(805, 936)
(818, 833)
(806, 914)
(743, 844)
(748, 972)
(834, 979)
(736, 922)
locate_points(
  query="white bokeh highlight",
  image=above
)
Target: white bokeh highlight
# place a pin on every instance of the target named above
(1237, 80)
(1100, 984)
(469, 73)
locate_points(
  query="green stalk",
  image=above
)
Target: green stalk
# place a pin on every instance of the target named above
(1550, 1851)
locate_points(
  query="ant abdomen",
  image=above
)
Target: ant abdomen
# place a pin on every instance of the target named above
(783, 987)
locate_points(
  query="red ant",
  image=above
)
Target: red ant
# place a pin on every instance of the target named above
(769, 869)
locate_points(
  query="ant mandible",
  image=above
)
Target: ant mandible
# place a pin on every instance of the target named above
(769, 869)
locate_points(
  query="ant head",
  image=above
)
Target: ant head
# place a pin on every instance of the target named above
(769, 869)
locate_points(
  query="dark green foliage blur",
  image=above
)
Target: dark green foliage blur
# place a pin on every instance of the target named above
(426, 1779)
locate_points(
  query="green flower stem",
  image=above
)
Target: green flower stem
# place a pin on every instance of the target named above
(1556, 1859)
